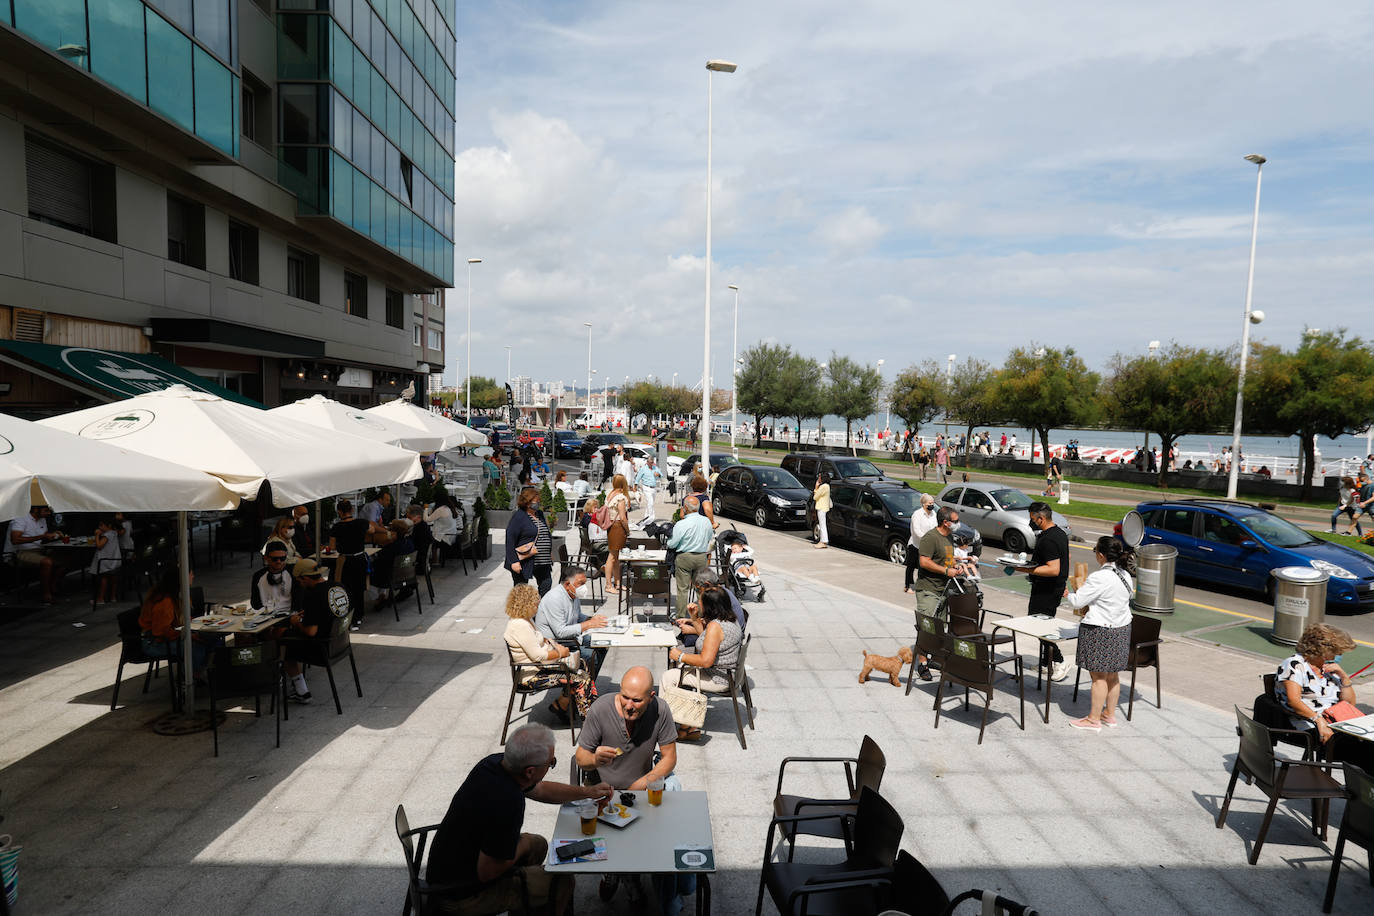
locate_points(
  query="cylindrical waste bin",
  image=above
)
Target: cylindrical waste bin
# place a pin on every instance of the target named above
(1299, 601)
(1154, 579)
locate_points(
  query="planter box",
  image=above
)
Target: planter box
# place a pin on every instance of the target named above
(498, 519)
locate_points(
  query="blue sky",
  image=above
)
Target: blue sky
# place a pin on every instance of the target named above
(905, 180)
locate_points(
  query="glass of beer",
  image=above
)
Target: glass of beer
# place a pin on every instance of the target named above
(586, 813)
(656, 792)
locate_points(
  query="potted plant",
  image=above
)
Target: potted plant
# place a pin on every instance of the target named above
(558, 512)
(497, 501)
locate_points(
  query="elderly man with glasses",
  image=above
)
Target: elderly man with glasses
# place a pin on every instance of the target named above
(479, 847)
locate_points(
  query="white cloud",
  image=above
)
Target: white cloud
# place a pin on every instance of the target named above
(851, 230)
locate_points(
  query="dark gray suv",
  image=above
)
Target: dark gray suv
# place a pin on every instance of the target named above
(806, 465)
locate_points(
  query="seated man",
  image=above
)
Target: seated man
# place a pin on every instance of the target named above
(421, 535)
(27, 534)
(560, 617)
(618, 740)
(313, 618)
(271, 586)
(399, 545)
(479, 847)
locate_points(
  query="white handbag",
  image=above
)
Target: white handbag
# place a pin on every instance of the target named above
(688, 706)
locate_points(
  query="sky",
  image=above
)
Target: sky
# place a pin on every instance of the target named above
(904, 180)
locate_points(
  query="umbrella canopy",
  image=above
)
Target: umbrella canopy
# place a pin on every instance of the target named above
(42, 466)
(243, 446)
(318, 410)
(455, 434)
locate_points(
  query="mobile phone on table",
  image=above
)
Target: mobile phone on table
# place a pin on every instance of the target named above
(573, 850)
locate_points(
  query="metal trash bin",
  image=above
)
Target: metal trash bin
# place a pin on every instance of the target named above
(1299, 601)
(1154, 579)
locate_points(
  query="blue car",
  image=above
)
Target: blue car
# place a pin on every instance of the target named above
(566, 443)
(1238, 544)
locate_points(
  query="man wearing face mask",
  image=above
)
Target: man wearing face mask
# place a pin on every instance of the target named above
(560, 617)
(304, 536)
(922, 520)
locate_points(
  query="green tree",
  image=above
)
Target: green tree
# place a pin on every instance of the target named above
(802, 390)
(1325, 387)
(917, 395)
(971, 396)
(852, 392)
(486, 394)
(759, 392)
(1042, 388)
(644, 397)
(1180, 391)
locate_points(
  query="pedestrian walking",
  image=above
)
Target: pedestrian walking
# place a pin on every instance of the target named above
(1347, 499)
(820, 495)
(647, 479)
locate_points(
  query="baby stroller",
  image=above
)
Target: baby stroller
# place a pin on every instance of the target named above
(732, 563)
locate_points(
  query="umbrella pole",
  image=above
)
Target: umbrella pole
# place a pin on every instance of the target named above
(319, 547)
(184, 562)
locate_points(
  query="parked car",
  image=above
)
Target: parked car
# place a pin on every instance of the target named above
(875, 516)
(997, 512)
(765, 494)
(806, 465)
(680, 470)
(1240, 544)
(566, 444)
(476, 422)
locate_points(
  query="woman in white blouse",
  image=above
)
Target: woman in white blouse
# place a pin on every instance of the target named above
(1104, 638)
(443, 521)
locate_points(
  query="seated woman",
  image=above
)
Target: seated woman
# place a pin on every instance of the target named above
(491, 471)
(560, 482)
(1309, 683)
(285, 532)
(443, 519)
(399, 544)
(161, 618)
(530, 647)
(717, 649)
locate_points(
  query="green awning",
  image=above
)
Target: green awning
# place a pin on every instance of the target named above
(109, 373)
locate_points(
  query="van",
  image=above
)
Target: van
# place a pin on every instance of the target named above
(805, 466)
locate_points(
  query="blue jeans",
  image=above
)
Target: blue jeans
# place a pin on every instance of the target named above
(1354, 517)
(155, 648)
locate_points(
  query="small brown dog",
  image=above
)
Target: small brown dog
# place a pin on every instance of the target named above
(892, 664)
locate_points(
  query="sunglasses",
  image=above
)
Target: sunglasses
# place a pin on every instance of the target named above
(277, 559)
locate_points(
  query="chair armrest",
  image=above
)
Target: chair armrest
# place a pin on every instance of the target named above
(786, 760)
(861, 874)
(1148, 642)
(820, 886)
(988, 610)
(827, 803)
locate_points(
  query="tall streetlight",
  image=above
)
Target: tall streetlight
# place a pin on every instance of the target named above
(588, 326)
(1251, 317)
(507, 365)
(712, 68)
(734, 376)
(674, 384)
(467, 398)
(887, 424)
(949, 378)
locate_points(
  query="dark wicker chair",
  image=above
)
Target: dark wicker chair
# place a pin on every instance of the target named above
(973, 664)
(238, 672)
(932, 641)
(863, 771)
(327, 650)
(1357, 825)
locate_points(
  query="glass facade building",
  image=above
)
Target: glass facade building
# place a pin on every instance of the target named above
(178, 57)
(365, 97)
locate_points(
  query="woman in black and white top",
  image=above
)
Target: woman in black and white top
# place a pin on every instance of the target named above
(1104, 638)
(1311, 681)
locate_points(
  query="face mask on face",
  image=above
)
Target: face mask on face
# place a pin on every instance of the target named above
(583, 591)
(304, 519)
(1336, 660)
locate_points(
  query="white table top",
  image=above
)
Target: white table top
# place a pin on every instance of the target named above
(241, 622)
(645, 846)
(1051, 629)
(638, 636)
(1362, 728)
(648, 556)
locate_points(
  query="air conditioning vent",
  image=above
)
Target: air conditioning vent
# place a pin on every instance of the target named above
(28, 325)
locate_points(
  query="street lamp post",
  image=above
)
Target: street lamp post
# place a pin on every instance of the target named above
(467, 398)
(887, 423)
(1153, 347)
(949, 377)
(1251, 317)
(588, 326)
(507, 365)
(712, 68)
(734, 377)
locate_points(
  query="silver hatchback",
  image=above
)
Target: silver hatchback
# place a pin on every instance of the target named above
(997, 512)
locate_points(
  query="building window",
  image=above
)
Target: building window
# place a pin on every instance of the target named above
(407, 179)
(69, 190)
(185, 232)
(243, 253)
(256, 116)
(302, 275)
(436, 340)
(416, 328)
(355, 295)
(395, 311)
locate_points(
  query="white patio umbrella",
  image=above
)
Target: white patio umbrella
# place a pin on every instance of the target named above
(454, 434)
(244, 447)
(318, 410)
(42, 466)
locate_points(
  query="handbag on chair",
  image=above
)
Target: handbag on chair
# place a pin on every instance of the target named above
(688, 706)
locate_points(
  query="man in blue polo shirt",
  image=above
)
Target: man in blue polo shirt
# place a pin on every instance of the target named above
(692, 539)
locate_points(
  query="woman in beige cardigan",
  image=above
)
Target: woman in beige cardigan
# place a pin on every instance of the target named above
(530, 647)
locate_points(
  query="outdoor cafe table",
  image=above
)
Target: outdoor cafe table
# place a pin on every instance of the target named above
(1048, 630)
(628, 555)
(636, 636)
(225, 622)
(655, 843)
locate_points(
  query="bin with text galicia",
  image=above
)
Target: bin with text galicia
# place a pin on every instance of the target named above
(1299, 601)
(1154, 568)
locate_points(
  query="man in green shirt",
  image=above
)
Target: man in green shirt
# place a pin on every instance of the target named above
(935, 567)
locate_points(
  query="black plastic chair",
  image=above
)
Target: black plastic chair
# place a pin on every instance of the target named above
(932, 641)
(521, 669)
(131, 653)
(872, 840)
(648, 580)
(403, 574)
(330, 649)
(238, 672)
(424, 559)
(1278, 778)
(738, 677)
(1145, 643)
(972, 664)
(1270, 713)
(1357, 825)
(863, 771)
(424, 897)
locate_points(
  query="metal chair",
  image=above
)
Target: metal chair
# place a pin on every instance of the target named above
(131, 653)
(403, 574)
(518, 670)
(647, 580)
(972, 664)
(1145, 643)
(237, 672)
(738, 687)
(1278, 778)
(1357, 825)
(865, 770)
(330, 649)
(871, 847)
(932, 641)
(421, 895)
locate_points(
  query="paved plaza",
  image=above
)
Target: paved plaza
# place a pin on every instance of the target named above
(116, 819)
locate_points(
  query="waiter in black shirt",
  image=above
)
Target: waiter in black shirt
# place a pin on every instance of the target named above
(479, 847)
(1049, 571)
(347, 537)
